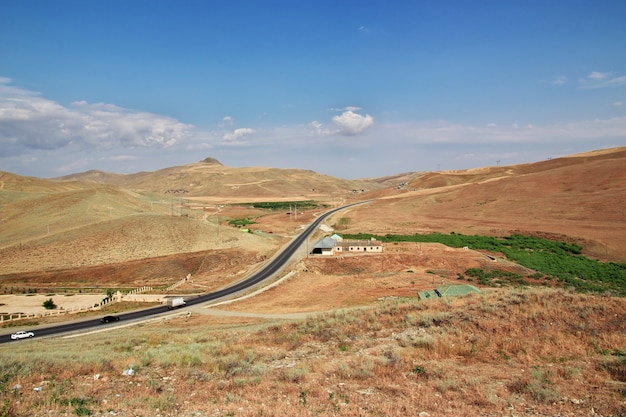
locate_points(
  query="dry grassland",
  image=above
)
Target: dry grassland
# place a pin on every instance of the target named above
(505, 352)
(368, 346)
(580, 198)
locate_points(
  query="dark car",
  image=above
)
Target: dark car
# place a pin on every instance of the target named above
(109, 319)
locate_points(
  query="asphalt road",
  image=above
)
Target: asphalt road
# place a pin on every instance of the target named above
(267, 272)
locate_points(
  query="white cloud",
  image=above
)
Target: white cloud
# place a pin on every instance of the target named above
(119, 158)
(319, 129)
(238, 134)
(350, 123)
(439, 132)
(560, 80)
(227, 121)
(616, 82)
(601, 80)
(618, 104)
(596, 75)
(29, 121)
(41, 137)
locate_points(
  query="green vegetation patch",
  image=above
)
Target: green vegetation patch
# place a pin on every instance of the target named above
(553, 259)
(285, 205)
(241, 222)
(495, 278)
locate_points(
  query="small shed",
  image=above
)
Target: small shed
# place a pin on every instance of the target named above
(324, 246)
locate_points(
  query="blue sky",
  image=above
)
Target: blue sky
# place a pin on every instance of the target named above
(347, 88)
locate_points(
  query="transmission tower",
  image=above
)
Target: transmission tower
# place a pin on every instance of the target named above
(180, 201)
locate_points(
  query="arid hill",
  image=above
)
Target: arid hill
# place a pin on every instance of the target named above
(95, 219)
(579, 198)
(344, 335)
(209, 178)
(101, 220)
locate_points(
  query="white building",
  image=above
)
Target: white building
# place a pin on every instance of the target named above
(336, 244)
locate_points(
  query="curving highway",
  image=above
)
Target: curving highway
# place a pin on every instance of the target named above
(268, 271)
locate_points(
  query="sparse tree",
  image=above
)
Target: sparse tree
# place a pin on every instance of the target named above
(49, 304)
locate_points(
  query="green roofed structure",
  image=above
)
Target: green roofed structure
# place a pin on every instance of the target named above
(449, 291)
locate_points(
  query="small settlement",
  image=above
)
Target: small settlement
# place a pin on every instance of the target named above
(335, 244)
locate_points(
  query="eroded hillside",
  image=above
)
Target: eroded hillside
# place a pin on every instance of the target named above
(209, 178)
(580, 198)
(60, 225)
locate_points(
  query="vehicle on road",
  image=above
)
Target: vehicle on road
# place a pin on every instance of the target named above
(269, 270)
(109, 319)
(175, 302)
(22, 335)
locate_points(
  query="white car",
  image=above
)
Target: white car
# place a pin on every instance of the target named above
(22, 335)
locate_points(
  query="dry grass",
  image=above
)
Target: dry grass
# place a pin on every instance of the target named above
(523, 352)
(548, 198)
(506, 352)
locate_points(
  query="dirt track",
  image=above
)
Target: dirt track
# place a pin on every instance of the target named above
(32, 303)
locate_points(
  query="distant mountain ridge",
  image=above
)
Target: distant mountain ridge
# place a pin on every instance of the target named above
(210, 178)
(101, 217)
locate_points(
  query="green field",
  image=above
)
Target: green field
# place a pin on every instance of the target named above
(285, 205)
(558, 260)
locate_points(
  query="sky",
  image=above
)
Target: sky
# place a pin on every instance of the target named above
(350, 88)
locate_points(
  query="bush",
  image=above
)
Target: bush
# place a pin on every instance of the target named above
(49, 304)
(241, 222)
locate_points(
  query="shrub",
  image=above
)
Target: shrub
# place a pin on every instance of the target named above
(241, 222)
(49, 304)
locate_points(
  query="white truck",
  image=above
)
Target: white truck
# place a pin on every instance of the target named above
(175, 302)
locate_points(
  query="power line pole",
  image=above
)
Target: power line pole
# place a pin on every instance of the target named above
(180, 201)
(171, 193)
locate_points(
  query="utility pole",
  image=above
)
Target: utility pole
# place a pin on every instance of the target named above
(180, 201)
(171, 193)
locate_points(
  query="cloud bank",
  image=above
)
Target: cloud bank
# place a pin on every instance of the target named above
(29, 121)
(40, 137)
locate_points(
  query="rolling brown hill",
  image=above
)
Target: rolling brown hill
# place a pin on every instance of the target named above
(95, 219)
(506, 351)
(103, 220)
(578, 198)
(209, 178)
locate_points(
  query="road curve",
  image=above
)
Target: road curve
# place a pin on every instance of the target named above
(268, 271)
